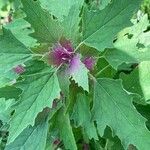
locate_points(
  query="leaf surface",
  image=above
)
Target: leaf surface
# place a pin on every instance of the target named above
(39, 91)
(46, 28)
(101, 27)
(113, 107)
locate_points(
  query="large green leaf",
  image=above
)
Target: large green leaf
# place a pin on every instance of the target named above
(131, 49)
(100, 27)
(39, 91)
(12, 52)
(131, 82)
(65, 130)
(46, 28)
(72, 20)
(113, 107)
(32, 138)
(82, 116)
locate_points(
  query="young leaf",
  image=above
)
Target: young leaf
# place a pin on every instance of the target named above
(33, 138)
(46, 28)
(113, 107)
(100, 27)
(82, 116)
(39, 91)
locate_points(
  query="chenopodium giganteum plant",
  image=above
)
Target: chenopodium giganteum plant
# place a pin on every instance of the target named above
(75, 75)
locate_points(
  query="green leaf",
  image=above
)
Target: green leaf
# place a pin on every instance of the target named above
(80, 74)
(130, 50)
(82, 116)
(8, 78)
(71, 22)
(58, 8)
(39, 91)
(65, 130)
(113, 107)
(21, 30)
(12, 52)
(46, 28)
(131, 82)
(144, 110)
(101, 4)
(101, 27)
(10, 92)
(33, 138)
(5, 109)
(144, 77)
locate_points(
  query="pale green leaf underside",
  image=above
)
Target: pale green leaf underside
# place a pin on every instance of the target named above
(80, 76)
(101, 27)
(71, 22)
(127, 49)
(32, 138)
(113, 107)
(39, 91)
